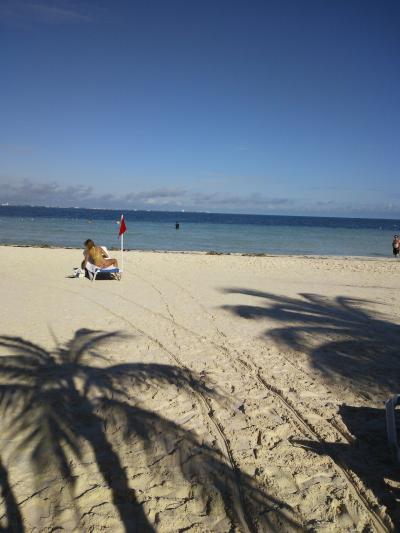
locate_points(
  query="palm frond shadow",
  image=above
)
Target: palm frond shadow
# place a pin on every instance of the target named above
(368, 455)
(54, 403)
(355, 350)
(345, 342)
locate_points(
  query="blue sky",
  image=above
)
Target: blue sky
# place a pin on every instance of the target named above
(288, 107)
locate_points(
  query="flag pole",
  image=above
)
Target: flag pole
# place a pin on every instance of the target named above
(122, 229)
(122, 252)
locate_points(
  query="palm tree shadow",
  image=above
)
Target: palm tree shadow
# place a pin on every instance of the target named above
(52, 404)
(12, 513)
(354, 350)
(368, 455)
(346, 343)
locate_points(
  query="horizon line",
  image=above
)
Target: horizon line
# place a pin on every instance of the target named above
(134, 210)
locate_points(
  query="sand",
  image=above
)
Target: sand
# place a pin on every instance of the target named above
(241, 394)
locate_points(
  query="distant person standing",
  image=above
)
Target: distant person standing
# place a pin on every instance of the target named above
(177, 225)
(396, 245)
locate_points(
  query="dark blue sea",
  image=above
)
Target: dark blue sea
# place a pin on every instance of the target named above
(155, 230)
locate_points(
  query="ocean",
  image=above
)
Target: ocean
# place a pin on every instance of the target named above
(155, 230)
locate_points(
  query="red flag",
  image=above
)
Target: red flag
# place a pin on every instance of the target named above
(122, 226)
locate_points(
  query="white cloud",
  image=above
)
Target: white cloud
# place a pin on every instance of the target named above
(27, 192)
(56, 12)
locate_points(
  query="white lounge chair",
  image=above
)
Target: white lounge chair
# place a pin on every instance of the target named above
(94, 270)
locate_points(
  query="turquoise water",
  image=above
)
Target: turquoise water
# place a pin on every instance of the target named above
(208, 233)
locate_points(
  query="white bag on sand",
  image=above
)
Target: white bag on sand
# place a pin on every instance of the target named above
(79, 273)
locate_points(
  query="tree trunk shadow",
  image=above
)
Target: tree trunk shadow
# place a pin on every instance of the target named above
(124, 498)
(13, 515)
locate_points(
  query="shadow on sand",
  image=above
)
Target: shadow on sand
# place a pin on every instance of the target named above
(368, 456)
(352, 349)
(345, 342)
(54, 404)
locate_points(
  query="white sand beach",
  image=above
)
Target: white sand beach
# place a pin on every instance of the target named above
(243, 393)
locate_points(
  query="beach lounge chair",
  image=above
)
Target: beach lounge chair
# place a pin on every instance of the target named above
(391, 427)
(94, 270)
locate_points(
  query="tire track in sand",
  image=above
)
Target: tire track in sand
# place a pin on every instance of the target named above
(227, 351)
(237, 495)
(378, 522)
(308, 430)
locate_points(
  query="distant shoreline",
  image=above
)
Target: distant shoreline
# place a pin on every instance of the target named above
(211, 253)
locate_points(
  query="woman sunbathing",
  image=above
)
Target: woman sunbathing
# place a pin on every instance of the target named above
(96, 255)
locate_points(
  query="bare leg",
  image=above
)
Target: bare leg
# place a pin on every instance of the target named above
(110, 262)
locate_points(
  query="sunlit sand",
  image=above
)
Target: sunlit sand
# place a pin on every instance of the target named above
(241, 393)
